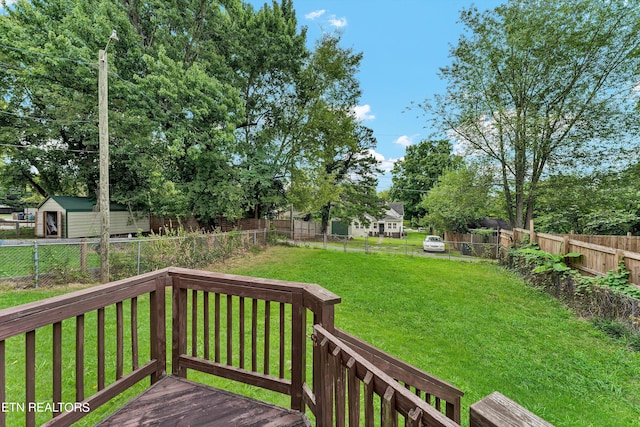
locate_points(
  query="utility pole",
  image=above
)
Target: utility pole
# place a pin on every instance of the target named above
(103, 119)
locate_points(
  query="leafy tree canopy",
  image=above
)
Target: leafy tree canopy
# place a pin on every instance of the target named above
(214, 109)
(542, 85)
(459, 199)
(419, 171)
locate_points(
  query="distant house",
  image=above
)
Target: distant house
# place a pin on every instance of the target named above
(390, 225)
(75, 217)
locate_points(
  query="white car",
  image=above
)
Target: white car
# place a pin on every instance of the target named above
(433, 244)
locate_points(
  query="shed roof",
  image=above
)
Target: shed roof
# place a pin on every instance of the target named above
(81, 204)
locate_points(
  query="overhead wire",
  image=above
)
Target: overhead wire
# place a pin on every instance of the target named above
(62, 58)
(24, 116)
(50, 148)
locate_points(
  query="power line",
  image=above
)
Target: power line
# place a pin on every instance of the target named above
(22, 116)
(62, 58)
(49, 148)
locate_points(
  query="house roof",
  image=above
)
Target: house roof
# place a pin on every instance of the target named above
(80, 204)
(398, 207)
(394, 212)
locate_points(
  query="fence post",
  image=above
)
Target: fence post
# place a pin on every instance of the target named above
(366, 244)
(36, 264)
(139, 244)
(83, 255)
(533, 237)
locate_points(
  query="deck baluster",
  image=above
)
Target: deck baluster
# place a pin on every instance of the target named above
(368, 399)
(267, 331)
(241, 331)
(339, 386)
(254, 334)
(100, 345)
(194, 323)
(119, 340)
(134, 334)
(216, 328)
(80, 358)
(205, 331)
(282, 339)
(30, 371)
(388, 413)
(230, 330)
(57, 364)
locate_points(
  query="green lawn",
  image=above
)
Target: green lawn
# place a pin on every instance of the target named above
(476, 326)
(472, 324)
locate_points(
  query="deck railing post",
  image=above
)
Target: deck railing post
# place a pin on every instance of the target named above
(324, 387)
(324, 317)
(157, 323)
(179, 330)
(298, 352)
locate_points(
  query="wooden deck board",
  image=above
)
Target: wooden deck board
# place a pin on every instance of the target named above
(175, 401)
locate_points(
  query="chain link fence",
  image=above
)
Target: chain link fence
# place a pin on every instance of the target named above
(400, 246)
(34, 263)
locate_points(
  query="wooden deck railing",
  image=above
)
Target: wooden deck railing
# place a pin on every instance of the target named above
(350, 383)
(441, 395)
(89, 346)
(259, 328)
(54, 318)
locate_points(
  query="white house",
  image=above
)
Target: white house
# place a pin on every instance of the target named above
(74, 217)
(390, 225)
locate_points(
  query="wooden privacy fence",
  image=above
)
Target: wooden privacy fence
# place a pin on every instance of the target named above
(596, 260)
(297, 229)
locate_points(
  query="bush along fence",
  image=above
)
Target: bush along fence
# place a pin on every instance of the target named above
(595, 260)
(576, 276)
(34, 263)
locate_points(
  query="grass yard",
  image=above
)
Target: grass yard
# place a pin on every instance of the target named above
(472, 324)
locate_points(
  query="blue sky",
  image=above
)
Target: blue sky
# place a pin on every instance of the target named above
(404, 43)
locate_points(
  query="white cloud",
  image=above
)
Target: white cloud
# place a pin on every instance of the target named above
(337, 22)
(362, 112)
(385, 164)
(315, 14)
(405, 140)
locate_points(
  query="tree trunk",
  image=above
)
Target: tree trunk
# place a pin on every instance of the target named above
(324, 211)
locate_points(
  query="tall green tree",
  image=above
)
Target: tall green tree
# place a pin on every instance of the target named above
(266, 52)
(542, 84)
(418, 172)
(459, 199)
(337, 166)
